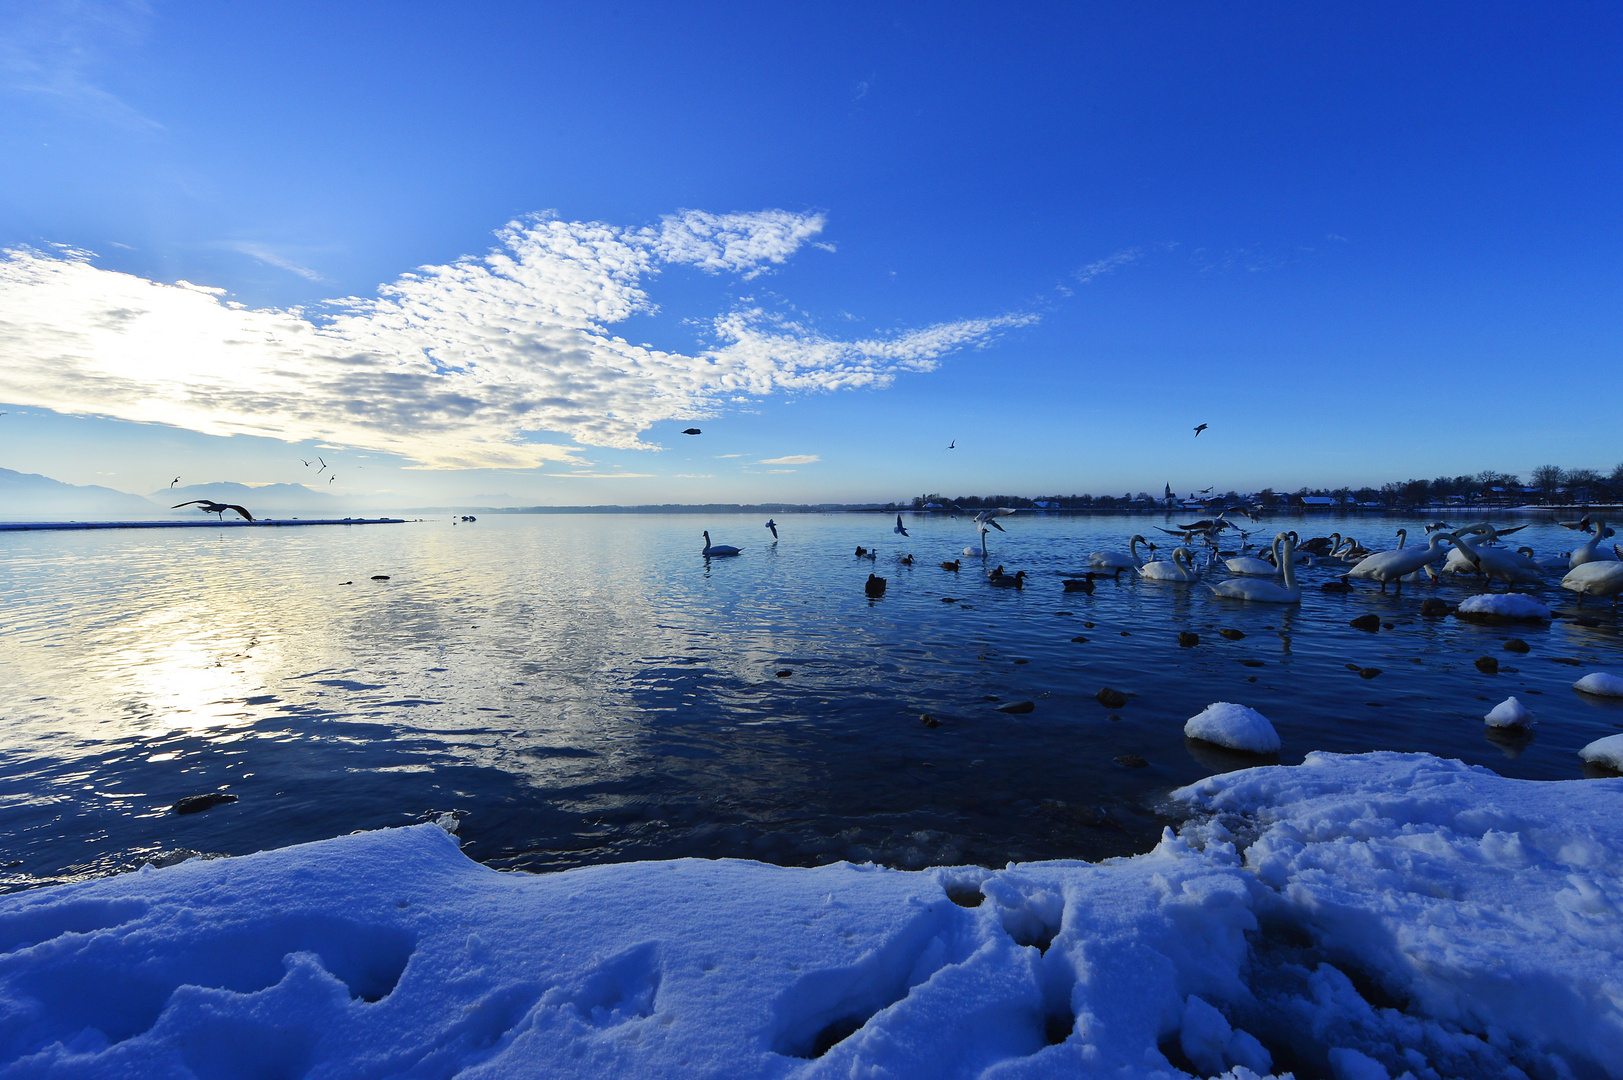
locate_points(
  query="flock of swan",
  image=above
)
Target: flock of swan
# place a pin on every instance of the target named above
(1591, 569)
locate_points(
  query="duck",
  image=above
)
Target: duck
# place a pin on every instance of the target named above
(1398, 564)
(1596, 578)
(864, 553)
(1082, 584)
(1181, 568)
(1115, 560)
(1266, 592)
(1341, 584)
(1590, 551)
(874, 587)
(717, 550)
(953, 566)
(1007, 581)
(906, 560)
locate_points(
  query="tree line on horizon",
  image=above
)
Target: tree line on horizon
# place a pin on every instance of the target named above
(1547, 485)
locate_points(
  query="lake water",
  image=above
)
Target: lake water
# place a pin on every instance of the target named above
(588, 688)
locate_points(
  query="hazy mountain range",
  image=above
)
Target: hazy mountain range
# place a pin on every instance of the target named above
(32, 497)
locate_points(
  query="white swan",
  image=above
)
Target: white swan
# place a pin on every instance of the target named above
(1254, 567)
(1595, 579)
(717, 550)
(1548, 563)
(1501, 565)
(1267, 592)
(1181, 568)
(1115, 560)
(1592, 551)
(1400, 563)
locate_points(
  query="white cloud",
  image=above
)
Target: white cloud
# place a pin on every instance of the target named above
(722, 456)
(456, 366)
(771, 472)
(792, 459)
(270, 258)
(1109, 264)
(695, 476)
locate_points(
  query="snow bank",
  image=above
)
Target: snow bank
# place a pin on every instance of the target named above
(1504, 606)
(1607, 752)
(1352, 913)
(1234, 726)
(1509, 713)
(1601, 684)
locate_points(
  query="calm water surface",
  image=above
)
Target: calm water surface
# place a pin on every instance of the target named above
(587, 688)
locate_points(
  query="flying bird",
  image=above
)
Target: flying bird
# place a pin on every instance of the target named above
(900, 528)
(211, 507)
(175, 481)
(1199, 429)
(692, 431)
(331, 478)
(323, 465)
(953, 445)
(773, 525)
(1205, 491)
(306, 463)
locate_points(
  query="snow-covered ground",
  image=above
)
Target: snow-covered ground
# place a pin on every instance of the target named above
(1504, 606)
(1352, 916)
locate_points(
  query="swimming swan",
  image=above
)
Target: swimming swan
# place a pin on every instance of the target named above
(1592, 551)
(1267, 592)
(1253, 567)
(717, 550)
(1181, 568)
(1115, 560)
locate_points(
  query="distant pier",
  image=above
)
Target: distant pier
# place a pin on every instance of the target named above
(264, 523)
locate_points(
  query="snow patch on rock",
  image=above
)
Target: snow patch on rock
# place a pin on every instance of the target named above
(1509, 713)
(1234, 726)
(1601, 684)
(1504, 606)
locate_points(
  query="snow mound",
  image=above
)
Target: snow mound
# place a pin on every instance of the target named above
(1600, 684)
(1234, 726)
(1354, 913)
(1504, 606)
(1509, 713)
(1607, 752)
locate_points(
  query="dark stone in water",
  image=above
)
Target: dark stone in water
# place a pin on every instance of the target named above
(1516, 644)
(1569, 660)
(1126, 633)
(1022, 661)
(1487, 665)
(1232, 635)
(1252, 663)
(785, 673)
(990, 697)
(196, 804)
(928, 721)
(949, 599)
(380, 577)
(1188, 640)
(1132, 761)
(1018, 707)
(1088, 625)
(1368, 672)
(346, 583)
(1111, 699)
(1082, 640)
(1386, 626)
(1586, 620)
(1434, 608)
(1366, 622)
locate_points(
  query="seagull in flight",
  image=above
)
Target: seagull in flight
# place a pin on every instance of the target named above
(211, 507)
(306, 463)
(900, 528)
(1205, 491)
(173, 482)
(989, 517)
(692, 431)
(331, 478)
(323, 465)
(773, 525)
(1199, 429)
(953, 445)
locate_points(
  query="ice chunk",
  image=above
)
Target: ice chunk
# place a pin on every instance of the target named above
(1505, 606)
(1607, 752)
(1509, 713)
(1234, 726)
(1600, 684)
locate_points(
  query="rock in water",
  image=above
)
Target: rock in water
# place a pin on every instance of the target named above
(1487, 665)
(1434, 608)
(194, 804)
(1132, 761)
(1509, 713)
(1234, 726)
(928, 721)
(1018, 707)
(1187, 640)
(1232, 635)
(1366, 622)
(1517, 645)
(1111, 699)
(1607, 752)
(1600, 684)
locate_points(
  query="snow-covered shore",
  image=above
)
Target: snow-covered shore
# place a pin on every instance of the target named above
(1353, 916)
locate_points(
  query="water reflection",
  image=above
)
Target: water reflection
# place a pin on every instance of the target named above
(591, 688)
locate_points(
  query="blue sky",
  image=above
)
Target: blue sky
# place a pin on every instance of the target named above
(1362, 242)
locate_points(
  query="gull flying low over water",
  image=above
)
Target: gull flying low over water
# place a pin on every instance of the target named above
(773, 525)
(900, 528)
(211, 507)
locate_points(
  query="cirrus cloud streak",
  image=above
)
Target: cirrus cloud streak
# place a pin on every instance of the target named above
(455, 366)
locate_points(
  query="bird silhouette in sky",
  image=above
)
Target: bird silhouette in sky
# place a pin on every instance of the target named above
(175, 481)
(692, 431)
(211, 507)
(773, 525)
(331, 478)
(307, 464)
(953, 445)
(323, 465)
(900, 528)
(1205, 491)
(1199, 429)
